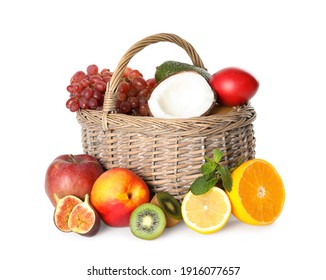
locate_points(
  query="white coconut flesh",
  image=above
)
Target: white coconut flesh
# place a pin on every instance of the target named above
(182, 95)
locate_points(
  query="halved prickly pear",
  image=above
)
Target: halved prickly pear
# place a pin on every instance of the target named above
(63, 209)
(84, 219)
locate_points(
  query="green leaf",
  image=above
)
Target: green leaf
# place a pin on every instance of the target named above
(226, 177)
(201, 185)
(207, 159)
(208, 167)
(218, 154)
(210, 175)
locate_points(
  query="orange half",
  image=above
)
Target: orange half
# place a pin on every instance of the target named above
(258, 194)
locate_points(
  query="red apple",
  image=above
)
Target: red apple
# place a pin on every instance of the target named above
(71, 175)
(116, 193)
(233, 86)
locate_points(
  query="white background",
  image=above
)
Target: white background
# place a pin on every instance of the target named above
(43, 43)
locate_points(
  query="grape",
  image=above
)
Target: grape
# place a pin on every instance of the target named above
(87, 93)
(72, 104)
(83, 103)
(77, 77)
(123, 87)
(134, 73)
(139, 83)
(134, 102)
(144, 110)
(77, 87)
(93, 103)
(121, 96)
(105, 73)
(151, 83)
(125, 107)
(106, 79)
(132, 91)
(70, 88)
(104, 70)
(75, 94)
(95, 78)
(100, 86)
(126, 72)
(92, 69)
(144, 93)
(68, 103)
(142, 100)
(98, 95)
(84, 82)
(117, 106)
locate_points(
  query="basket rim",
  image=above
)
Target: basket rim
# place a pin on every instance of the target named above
(240, 116)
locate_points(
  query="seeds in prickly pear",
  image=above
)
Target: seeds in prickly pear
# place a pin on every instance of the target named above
(83, 219)
(62, 211)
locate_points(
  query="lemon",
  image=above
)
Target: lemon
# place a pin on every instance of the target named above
(208, 212)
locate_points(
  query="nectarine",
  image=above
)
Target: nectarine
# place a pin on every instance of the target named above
(116, 193)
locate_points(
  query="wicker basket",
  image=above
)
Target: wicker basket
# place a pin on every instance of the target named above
(166, 153)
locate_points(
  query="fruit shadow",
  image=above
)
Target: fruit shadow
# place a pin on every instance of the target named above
(235, 224)
(232, 223)
(106, 229)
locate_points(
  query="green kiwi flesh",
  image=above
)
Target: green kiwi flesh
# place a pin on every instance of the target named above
(170, 205)
(147, 221)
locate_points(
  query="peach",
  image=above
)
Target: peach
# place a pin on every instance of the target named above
(116, 193)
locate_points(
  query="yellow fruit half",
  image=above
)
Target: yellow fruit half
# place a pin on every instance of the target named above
(208, 212)
(257, 195)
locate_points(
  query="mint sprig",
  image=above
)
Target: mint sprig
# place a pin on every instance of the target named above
(213, 173)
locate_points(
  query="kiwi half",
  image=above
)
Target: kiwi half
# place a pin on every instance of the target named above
(147, 221)
(170, 206)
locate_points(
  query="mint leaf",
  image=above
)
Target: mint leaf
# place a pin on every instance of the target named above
(207, 159)
(213, 174)
(218, 154)
(226, 177)
(202, 185)
(210, 175)
(208, 167)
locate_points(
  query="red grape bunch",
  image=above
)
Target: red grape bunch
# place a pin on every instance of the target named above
(87, 91)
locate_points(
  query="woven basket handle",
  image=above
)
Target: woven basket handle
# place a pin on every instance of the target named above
(109, 105)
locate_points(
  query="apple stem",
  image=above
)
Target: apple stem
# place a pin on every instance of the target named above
(72, 158)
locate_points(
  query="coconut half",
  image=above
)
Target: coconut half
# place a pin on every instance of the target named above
(183, 95)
